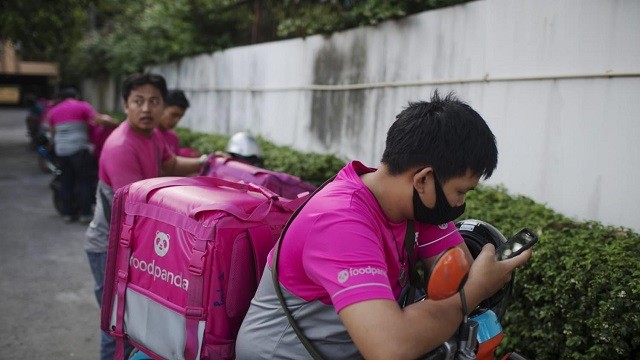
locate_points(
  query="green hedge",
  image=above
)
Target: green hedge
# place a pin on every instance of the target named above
(577, 298)
(579, 295)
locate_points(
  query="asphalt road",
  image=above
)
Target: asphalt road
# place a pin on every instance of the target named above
(47, 306)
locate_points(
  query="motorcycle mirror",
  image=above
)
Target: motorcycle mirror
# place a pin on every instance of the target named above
(448, 274)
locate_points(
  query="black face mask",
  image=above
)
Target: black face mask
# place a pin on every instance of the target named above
(441, 213)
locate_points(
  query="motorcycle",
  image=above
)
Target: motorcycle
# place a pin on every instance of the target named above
(55, 184)
(49, 163)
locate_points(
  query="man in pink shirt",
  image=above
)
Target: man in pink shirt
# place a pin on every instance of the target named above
(71, 121)
(134, 151)
(176, 104)
(343, 263)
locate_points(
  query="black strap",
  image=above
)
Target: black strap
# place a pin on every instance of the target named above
(409, 245)
(274, 276)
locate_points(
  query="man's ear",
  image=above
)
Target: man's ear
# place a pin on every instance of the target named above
(125, 106)
(422, 178)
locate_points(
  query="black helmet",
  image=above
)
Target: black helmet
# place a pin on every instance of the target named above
(476, 234)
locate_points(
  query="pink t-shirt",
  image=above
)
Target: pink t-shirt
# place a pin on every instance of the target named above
(71, 110)
(128, 156)
(72, 121)
(342, 248)
(172, 140)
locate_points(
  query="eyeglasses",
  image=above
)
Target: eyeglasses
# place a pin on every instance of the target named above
(139, 102)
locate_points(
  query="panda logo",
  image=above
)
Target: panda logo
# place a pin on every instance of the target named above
(343, 276)
(161, 243)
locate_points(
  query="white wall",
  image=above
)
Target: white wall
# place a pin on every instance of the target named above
(558, 81)
(102, 93)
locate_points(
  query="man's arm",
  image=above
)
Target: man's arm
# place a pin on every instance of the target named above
(181, 166)
(382, 330)
(105, 120)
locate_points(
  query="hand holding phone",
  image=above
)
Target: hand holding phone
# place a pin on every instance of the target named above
(521, 241)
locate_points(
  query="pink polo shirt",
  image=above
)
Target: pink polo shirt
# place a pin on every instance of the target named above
(128, 156)
(342, 248)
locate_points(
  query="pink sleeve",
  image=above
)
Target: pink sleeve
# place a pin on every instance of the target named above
(434, 239)
(346, 258)
(122, 167)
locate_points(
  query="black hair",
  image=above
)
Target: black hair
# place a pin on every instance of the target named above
(30, 100)
(68, 92)
(445, 134)
(177, 98)
(136, 80)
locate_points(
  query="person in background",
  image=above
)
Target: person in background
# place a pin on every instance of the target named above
(136, 150)
(35, 116)
(175, 106)
(71, 121)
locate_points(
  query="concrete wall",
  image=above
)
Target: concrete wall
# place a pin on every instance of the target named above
(557, 80)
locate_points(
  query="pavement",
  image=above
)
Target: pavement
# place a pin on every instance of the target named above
(47, 306)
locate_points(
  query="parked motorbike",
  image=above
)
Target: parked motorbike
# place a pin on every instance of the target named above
(49, 163)
(55, 184)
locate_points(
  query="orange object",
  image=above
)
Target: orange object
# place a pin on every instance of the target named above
(487, 349)
(448, 274)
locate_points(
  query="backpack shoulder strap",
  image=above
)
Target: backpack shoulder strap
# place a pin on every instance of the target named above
(274, 275)
(415, 279)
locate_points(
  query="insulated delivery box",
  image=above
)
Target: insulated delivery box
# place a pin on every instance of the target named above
(283, 184)
(184, 260)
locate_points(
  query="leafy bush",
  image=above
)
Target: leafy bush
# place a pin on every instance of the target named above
(116, 115)
(302, 18)
(312, 167)
(579, 295)
(186, 136)
(210, 143)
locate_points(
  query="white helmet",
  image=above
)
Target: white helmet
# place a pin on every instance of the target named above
(244, 146)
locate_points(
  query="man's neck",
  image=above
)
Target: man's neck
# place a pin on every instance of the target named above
(145, 133)
(391, 191)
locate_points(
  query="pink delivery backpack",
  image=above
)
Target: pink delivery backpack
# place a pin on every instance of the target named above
(285, 185)
(184, 260)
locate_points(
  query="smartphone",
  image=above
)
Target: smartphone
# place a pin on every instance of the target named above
(516, 244)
